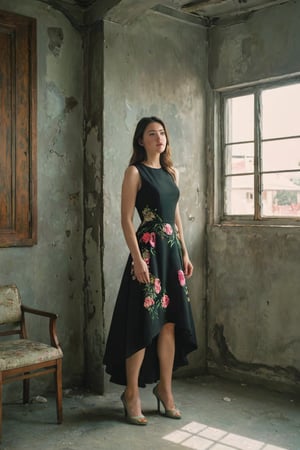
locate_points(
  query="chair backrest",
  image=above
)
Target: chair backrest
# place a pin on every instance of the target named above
(10, 305)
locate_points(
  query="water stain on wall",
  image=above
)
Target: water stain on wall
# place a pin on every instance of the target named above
(56, 37)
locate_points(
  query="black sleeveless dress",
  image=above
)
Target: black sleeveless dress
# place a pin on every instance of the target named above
(142, 309)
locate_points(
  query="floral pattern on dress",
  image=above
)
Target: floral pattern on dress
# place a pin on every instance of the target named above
(182, 282)
(160, 228)
(155, 298)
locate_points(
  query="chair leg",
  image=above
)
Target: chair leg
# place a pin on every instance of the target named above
(58, 382)
(26, 387)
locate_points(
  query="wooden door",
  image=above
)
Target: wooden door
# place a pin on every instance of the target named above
(17, 130)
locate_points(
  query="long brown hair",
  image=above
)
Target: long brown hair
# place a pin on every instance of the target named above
(139, 153)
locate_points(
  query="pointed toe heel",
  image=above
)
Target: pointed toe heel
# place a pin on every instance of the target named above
(173, 413)
(134, 420)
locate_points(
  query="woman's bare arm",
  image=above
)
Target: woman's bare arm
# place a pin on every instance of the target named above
(131, 185)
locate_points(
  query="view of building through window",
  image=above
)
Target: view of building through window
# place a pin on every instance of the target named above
(262, 153)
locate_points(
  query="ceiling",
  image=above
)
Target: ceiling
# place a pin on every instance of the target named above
(208, 12)
(219, 8)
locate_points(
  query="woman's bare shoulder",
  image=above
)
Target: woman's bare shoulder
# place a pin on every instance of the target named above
(132, 170)
(132, 177)
(132, 173)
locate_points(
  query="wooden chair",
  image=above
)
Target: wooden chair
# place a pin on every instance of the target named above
(22, 359)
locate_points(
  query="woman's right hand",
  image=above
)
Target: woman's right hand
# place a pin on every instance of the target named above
(141, 271)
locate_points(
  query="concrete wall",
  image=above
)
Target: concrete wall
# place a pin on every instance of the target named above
(94, 337)
(254, 284)
(148, 70)
(50, 274)
(262, 46)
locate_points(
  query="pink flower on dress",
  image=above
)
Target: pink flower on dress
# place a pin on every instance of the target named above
(165, 301)
(181, 278)
(152, 239)
(149, 237)
(157, 286)
(148, 302)
(168, 229)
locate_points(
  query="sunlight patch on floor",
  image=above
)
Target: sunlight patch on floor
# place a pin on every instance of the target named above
(199, 436)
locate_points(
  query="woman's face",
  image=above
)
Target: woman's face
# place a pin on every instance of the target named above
(154, 139)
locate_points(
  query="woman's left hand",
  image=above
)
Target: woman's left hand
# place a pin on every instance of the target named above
(188, 267)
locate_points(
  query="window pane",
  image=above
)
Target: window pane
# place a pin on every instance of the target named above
(281, 194)
(281, 155)
(239, 158)
(281, 111)
(239, 195)
(239, 119)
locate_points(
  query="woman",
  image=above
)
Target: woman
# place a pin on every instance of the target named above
(152, 328)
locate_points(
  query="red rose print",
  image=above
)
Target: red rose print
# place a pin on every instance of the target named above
(149, 237)
(146, 237)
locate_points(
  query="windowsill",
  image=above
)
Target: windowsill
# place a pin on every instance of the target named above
(258, 224)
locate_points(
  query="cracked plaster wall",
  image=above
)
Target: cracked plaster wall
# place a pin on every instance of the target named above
(259, 47)
(253, 283)
(50, 274)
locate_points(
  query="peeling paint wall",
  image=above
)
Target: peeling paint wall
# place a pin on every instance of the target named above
(93, 201)
(260, 46)
(254, 284)
(50, 274)
(148, 70)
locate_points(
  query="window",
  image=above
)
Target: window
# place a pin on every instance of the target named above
(261, 153)
(17, 130)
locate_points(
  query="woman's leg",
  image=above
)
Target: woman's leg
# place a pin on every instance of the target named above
(133, 366)
(166, 353)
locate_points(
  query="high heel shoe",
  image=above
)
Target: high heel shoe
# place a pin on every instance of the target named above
(173, 413)
(134, 420)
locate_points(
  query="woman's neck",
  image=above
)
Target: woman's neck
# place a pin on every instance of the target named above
(155, 163)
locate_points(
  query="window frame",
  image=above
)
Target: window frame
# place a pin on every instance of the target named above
(256, 218)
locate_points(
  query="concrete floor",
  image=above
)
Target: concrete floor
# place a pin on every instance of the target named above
(216, 415)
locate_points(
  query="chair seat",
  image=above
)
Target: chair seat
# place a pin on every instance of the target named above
(23, 352)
